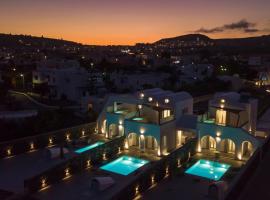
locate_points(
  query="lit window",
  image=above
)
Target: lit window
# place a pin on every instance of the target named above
(166, 113)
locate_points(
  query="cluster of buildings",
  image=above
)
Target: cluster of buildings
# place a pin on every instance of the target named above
(160, 121)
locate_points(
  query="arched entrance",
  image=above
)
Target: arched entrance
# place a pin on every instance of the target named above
(113, 131)
(227, 146)
(133, 139)
(208, 142)
(151, 143)
(103, 128)
(247, 149)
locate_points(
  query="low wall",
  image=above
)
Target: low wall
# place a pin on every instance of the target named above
(74, 165)
(161, 169)
(23, 145)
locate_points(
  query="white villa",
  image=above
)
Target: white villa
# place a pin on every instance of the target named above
(149, 119)
(160, 121)
(230, 125)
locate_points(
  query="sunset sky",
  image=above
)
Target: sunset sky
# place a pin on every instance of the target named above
(129, 22)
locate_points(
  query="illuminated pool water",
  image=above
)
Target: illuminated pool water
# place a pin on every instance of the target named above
(124, 165)
(81, 150)
(119, 112)
(208, 169)
(138, 119)
(209, 121)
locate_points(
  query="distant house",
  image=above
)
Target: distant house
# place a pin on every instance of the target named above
(64, 79)
(138, 80)
(195, 72)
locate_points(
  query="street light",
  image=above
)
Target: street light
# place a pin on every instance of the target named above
(21, 75)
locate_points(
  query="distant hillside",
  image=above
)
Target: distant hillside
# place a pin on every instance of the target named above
(184, 38)
(250, 45)
(250, 41)
(17, 41)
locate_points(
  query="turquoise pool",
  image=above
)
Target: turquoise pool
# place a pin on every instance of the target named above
(81, 150)
(124, 165)
(138, 119)
(208, 169)
(119, 112)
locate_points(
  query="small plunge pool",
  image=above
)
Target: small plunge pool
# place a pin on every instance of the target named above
(124, 165)
(208, 169)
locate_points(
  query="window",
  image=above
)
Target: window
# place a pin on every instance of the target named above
(221, 117)
(166, 113)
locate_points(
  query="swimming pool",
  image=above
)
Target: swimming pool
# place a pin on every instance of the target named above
(208, 169)
(137, 119)
(119, 112)
(124, 165)
(81, 150)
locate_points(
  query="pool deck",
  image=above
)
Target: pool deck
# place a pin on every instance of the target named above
(223, 158)
(77, 187)
(183, 187)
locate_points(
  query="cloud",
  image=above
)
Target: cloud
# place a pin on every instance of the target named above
(242, 25)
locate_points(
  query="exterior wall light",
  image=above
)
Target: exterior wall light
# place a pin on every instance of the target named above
(142, 130)
(104, 156)
(167, 100)
(222, 101)
(43, 183)
(32, 146)
(83, 133)
(140, 106)
(159, 154)
(136, 190)
(50, 141)
(153, 179)
(150, 99)
(67, 173)
(218, 133)
(88, 163)
(126, 144)
(9, 151)
(199, 149)
(68, 137)
(239, 156)
(142, 95)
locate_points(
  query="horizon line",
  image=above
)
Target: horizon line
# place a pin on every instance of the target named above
(88, 44)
